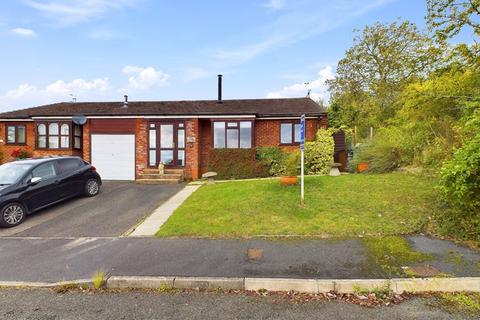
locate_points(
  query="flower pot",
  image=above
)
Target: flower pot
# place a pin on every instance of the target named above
(362, 166)
(288, 180)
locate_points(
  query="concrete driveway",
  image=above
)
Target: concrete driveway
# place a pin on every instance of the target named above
(118, 207)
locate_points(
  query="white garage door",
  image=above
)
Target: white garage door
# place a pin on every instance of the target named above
(114, 156)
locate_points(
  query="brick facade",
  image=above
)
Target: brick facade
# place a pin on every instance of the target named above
(266, 134)
(198, 142)
(30, 145)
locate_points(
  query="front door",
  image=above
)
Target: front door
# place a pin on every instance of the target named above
(171, 143)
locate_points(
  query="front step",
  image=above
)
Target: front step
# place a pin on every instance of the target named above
(157, 181)
(166, 171)
(160, 176)
(152, 176)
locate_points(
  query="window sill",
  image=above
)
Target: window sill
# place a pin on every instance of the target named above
(15, 144)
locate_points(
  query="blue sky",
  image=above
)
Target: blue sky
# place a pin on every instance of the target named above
(173, 50)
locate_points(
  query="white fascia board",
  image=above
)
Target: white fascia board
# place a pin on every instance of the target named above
(16, 120)
(286, 118)
(154, 117)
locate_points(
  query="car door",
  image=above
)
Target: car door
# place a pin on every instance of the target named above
(46, 191)
(70, 177)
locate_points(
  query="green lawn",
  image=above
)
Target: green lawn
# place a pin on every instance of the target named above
(350, 205)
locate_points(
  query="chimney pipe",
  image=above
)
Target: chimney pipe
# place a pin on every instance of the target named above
(220, 88)
(125, 103)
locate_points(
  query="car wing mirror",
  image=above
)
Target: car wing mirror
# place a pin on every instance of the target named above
(35, 180)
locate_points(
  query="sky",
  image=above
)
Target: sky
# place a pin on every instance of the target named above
(99, 50)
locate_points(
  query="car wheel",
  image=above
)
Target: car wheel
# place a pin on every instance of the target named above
(12, 215)
(92, 187)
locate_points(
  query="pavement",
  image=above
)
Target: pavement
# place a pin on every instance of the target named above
(45, 304)
(51, 260)
(118, 207)
(152, 224)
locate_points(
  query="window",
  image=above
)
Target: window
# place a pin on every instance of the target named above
(232, 134)
(290, 133)
(16, 134)
(42, 136)
(77, 136)
(64, 136)
(44, 171)
(58, 135)
(68, 165)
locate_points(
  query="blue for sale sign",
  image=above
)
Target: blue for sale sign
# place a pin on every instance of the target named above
(302, 132)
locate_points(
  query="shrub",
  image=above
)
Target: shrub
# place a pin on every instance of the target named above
(274, 158)
(319, 153)
(460, 189)
(292, 164)
(20, 154)
(388, 151)
(236, 164)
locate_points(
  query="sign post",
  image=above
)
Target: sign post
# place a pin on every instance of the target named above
(302, 162)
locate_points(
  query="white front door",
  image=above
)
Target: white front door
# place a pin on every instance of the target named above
(114, 156)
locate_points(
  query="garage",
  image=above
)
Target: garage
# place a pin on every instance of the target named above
(113, 148)
(114, 156)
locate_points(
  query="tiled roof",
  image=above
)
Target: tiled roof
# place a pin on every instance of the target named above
(258, 107)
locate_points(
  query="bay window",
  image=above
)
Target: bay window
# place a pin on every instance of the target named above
(16, 134)
(232, 134)
(290, 132)
(58, 135)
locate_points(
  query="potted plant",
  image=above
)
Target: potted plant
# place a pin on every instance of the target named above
(292, 169)
(18, 154)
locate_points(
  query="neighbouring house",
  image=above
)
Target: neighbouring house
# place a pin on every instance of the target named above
(128, 140)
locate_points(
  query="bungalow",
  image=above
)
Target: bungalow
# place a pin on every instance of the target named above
(128, 140)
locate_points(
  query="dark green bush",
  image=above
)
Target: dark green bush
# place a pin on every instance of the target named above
(274, 157)
(460, 189)
(236, 164)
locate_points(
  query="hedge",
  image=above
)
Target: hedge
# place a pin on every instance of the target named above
(236, 164)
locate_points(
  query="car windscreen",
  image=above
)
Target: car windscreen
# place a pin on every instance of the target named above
(10, 173)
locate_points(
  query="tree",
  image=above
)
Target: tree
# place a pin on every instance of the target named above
(448, 17)
(383, 58)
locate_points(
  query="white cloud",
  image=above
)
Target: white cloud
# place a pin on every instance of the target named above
(69, 12)
(318, 87)
(30, 95)
(61, 87)
(274, 4)
(145, 78)
(24, 32)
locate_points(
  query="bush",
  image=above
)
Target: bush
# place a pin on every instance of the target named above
(319, 153)
(20, 154)
(292, 164)
(236, 164)
(460, 189)
(388, 151)
(274, 158)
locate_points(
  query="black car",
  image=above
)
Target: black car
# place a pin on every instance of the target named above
(29, 185)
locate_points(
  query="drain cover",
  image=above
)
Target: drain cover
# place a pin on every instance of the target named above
(422, 271)
(254, 254)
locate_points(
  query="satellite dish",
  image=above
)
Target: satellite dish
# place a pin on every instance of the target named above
(81, 120)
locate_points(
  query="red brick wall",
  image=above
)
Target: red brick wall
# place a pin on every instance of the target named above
(86, 142)
(141, 145)
(6, 150)
(266, 134)
(192, 151)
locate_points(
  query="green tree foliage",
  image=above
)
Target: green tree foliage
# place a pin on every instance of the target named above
(448, 17)
(319, 153)
(383, 59)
